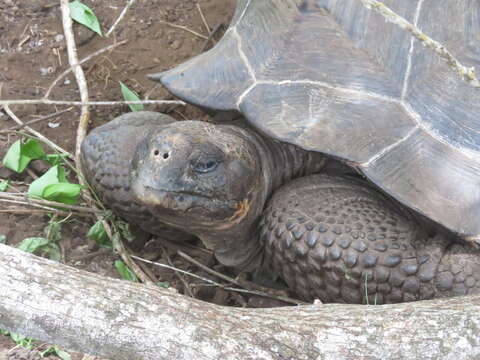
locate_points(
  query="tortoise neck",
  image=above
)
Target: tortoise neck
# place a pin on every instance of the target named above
(238, 245)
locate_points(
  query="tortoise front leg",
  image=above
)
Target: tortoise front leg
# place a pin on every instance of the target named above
(339, 240)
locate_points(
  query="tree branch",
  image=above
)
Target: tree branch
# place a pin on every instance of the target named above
(123, 320)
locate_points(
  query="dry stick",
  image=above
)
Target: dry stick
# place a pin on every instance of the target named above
(176, 269)
(92, 103)
(234, 281)
(185, 29)
(32, 211)
(20, 202)
(127, 258)
(85, 59)
(83, 124)
(210, 37)
(467, 74)
(122, 14)
(34, 132)
(33, 201)
(34, 121)
(79, 76)
(252, 292)
(89, 255)
(203, 19)
(179, 275)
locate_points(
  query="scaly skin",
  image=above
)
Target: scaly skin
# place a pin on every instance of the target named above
(107, 154)
(329, 237)
(338, 240)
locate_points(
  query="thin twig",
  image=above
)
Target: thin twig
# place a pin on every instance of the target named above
(82, 132)
(210, 37)
(79, 76)
(34, 121)
(179, 275)
(122, 14)
(203, 19)
(252, 292)
(249, 286)
(206, 268)
(38, 211)
(31, 201)
(35, 132)
(90, 103)
(20, 202)
(467, 74)
(85, 59)
(176, 269)
(90, 255)
(185, 29)
(127, 259)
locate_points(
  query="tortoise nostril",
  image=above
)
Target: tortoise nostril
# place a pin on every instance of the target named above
(156, 152)
(166, 155)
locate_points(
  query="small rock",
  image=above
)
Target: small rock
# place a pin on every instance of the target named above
(39, 166)
(67, 82)
(46, 71)
(53, 125)
(6, 173)
(59, 37)
(176, 45)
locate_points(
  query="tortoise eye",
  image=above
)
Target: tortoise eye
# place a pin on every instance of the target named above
(203, 167)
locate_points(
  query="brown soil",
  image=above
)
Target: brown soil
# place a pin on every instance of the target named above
(33, 54)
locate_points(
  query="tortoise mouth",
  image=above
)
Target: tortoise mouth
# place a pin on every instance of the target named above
(183, 208)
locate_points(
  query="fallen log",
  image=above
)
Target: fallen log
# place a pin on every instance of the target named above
(123, 320)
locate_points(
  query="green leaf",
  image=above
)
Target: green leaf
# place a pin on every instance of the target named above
(54, 186)
(33, 149)
(125, 272)
(82, 14)
(50, 177)
(3, 239)
(97, 232)
(19, 155)
(125, 231)
(53, 231)
(11, 159)
(63, 192)
(163, 284)
(62, 354)
(4, 332)
(52, 251)
(55, 159)
(41, 246)
(3, 185)
(130, 95)
(22, 340)
(33, 244)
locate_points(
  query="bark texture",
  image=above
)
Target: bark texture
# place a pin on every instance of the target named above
(122, 320)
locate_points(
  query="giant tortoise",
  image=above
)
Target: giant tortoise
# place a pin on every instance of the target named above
(318, 82)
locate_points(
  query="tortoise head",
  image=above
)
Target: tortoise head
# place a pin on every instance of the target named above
(197, 176)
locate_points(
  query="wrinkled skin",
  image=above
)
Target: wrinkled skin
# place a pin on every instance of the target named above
(330, 237)
(191, 168)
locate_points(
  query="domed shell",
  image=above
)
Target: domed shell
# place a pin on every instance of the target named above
(335, 76)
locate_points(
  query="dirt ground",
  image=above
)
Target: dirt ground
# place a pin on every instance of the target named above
(33, 54)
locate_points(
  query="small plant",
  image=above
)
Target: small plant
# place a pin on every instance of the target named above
(52, 185)
(125, 272)
(99, 235)
(55, 350)
(45, 246)
(130, 95)
(82, 14)
(29, 343)
(4, 185)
